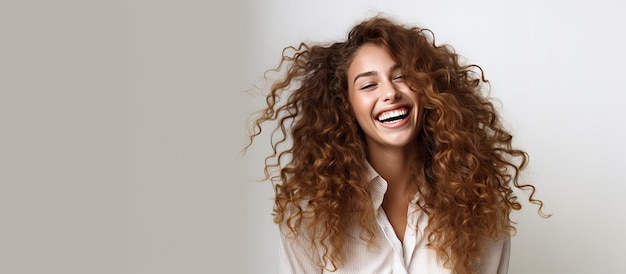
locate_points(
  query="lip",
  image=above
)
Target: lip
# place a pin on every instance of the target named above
(395, 124)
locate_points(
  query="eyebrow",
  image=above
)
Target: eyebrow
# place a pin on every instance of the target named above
(373, 73)
(364, 74)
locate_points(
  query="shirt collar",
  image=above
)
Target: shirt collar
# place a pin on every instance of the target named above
(378, 186)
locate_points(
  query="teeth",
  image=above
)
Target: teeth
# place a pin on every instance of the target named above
(392, 115)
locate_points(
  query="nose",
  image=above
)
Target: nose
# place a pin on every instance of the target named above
(390, 93)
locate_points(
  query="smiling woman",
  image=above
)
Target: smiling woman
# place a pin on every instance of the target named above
(397, 162)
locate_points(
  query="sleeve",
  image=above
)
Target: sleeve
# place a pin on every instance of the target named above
(294, 254)
(495, 258)
(503, 267)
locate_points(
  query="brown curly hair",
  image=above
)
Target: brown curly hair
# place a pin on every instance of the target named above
(467, 169)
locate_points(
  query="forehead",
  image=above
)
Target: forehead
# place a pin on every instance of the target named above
(370, 57)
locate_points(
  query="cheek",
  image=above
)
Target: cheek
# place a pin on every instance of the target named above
(415, 97)
(360, 106)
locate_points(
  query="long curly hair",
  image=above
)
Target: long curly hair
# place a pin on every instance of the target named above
(467, 170)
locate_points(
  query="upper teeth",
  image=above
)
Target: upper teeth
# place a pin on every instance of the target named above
(392, 114)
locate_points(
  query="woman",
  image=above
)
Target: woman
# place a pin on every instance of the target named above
(389, 158)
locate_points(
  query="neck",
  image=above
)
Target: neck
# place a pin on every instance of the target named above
(394, 165)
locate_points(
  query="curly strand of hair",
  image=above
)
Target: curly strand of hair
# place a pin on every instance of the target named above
(321, 148)
(271, 113)
(446, 117)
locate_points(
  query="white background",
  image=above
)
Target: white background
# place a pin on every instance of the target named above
(121, 124)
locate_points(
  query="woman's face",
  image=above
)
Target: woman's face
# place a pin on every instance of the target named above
(384, 106)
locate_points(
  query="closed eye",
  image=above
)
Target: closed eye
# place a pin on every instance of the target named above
(398, 77)
(368, 86)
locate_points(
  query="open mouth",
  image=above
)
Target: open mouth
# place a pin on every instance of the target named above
(393, 115)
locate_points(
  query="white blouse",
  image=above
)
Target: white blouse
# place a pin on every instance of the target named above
(388, 254)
